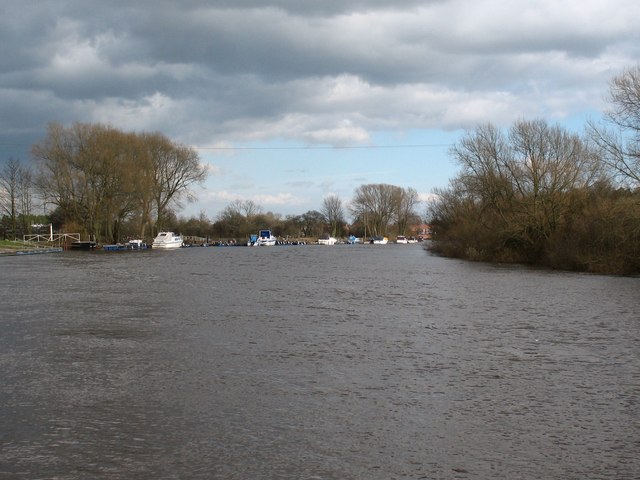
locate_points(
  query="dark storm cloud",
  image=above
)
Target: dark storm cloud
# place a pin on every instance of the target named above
(313, 71)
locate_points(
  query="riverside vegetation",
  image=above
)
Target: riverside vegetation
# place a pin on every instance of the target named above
(535, 193)
(542, 195)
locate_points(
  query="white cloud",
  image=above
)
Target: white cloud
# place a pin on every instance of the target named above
(277, 199)
(336, 72)
(427, 197)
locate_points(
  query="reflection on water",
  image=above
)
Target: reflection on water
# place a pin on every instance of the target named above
(343, 362)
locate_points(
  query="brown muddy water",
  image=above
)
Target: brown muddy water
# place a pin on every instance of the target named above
(312, 362)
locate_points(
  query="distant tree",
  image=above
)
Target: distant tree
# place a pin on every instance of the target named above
(619, 142)
(312, 223)
(333, 213)
(406, 201)
(268, 220)
(87, 171)
(16, 195)
(193, 226)
(513, 192)
(10, 191)
(174, 168)
(249, 208)
(231, 222)
(375, 205)
(293, 226)
(26, 198)
(100, 177)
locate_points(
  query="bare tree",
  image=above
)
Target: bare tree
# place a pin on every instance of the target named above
(333, 212)
(99, 176)
(619, 142)
(25, 201)
(10, 191)
(238, 218)
(174, 168)
(375, 205)
(88, 171)
(514, 191)
(407, 199)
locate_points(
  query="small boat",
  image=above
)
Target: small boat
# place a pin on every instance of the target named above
(167, 241)
(352, 240)
(122, 247)
(379, 240)
(115, 247)
(84, 245)
(136, 244)
(253, 240)
(402, 239)
(327, 240)
(266, 239)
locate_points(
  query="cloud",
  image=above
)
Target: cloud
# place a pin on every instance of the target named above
(428, 198)
(278, 199)
(317, 73)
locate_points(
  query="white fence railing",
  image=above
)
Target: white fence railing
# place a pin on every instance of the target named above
(52, 238)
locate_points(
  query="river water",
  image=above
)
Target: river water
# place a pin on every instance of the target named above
(313, 362)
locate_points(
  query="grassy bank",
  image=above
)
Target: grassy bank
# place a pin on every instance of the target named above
(13, 246)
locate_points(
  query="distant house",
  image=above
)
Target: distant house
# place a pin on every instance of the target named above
(422, 232)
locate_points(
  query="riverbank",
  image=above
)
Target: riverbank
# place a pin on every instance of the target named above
(9, 247)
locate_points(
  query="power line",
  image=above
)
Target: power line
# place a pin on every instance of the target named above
(300, 147)
(327, 147)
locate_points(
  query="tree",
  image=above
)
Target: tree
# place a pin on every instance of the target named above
(9, 191)
(88, 171)
(375, 205)
(312, 223)
(16, 195)
(99, 177)
(174, 168)
(333, 213)
(406, 201)
(546, 163)
(619, 143)
(513, 191)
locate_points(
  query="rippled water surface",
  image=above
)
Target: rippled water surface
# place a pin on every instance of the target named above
(309, 362)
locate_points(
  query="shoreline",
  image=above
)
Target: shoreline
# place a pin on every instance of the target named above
(6, 252)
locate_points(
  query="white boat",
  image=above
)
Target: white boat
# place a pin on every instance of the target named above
(136, 244)
(253, 240)
(379, 240)
(167, 240)
(266, 239)
(401, 239)
(327, 240)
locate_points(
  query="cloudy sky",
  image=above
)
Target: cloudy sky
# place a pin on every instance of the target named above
(288, 101)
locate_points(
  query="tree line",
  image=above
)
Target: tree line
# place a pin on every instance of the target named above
(96, 179)
(108, 185)
(375, 209)
(543, 195)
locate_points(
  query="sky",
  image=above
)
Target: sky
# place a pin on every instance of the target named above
(289, 101)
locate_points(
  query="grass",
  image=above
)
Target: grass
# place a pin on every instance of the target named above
(14, 244)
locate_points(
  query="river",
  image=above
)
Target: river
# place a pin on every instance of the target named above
(314, 362)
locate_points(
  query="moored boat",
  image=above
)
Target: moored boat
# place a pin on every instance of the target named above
(83, 245)
(167, 241)
(253, 240)
(379, 240)
(115, 247)
(266, 239)
(402, 239)
(136, 244)
(327, 240)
